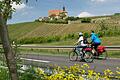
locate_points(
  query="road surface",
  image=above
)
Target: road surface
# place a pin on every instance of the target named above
(47, 60)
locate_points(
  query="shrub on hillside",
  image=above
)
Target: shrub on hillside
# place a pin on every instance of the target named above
(72, 18)
(47, 39)
(32, 40)
(86, 20)
(56, 21)
(52, 38)
(38, 40)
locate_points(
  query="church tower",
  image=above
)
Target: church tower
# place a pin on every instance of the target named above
(63, 8)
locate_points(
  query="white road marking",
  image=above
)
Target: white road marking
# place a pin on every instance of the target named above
(35, 60)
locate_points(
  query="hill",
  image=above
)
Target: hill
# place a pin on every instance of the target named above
(37, 29)
(37, 32)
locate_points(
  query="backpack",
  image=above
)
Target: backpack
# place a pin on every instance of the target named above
(85, 41)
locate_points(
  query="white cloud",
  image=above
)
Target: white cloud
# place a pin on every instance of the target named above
(18, 7)
(85, 14)
(98, 0)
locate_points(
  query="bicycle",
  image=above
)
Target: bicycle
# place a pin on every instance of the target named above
(84, 54)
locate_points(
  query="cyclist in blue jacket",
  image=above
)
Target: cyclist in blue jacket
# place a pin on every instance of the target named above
(95, 42)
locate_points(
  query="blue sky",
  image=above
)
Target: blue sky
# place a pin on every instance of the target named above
(32, 10)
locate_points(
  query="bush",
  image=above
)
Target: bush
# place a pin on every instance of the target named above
(38, 40)
(59, 21)
(48, 39)
(86, 20)
(53, 38)
(32, 40)
(72, 18)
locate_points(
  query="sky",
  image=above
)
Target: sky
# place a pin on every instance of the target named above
(27, 12)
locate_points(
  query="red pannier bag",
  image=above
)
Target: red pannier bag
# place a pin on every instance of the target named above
(101, 49)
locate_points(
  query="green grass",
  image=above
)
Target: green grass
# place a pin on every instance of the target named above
(50, 52)
(114, 54)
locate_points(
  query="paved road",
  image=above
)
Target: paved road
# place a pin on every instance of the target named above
(46, 60)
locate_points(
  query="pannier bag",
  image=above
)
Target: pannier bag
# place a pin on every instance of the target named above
(101, 49)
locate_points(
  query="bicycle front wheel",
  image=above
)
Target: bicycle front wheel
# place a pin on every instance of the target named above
(73, 56)
(88, 56)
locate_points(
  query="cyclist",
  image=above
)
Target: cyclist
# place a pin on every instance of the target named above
(95, 41)
(80, 42)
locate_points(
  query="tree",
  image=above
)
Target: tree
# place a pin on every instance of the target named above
(6, 11)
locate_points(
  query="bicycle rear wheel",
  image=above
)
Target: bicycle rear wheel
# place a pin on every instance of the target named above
(73, 56)
(104, 55)
(88, 56)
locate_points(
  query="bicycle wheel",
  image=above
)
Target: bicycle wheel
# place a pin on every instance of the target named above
(73, 56)
(104, 55)
(88, 56)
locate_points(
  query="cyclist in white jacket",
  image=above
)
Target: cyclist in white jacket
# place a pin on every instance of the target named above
(81, 40)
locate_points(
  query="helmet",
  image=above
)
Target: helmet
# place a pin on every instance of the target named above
(80, 34)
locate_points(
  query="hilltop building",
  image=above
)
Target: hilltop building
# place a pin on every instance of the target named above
(58, 14)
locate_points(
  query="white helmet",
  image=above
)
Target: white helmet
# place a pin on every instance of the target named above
(80, 33)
